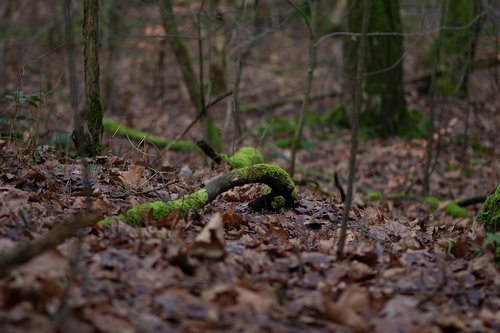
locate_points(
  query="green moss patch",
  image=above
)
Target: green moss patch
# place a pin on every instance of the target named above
(492, 239)
(135, 216)
(456, 211)
(272, 175)
(490, 214)
(373, 196)
(432, 202)
(412, 125)
(244, 157)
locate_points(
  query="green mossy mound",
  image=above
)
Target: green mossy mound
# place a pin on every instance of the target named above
(135, 216)
(456, 211)
(244, 157)
(490, 214)
(432, 202)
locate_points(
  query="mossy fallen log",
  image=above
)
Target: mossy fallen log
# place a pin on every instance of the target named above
(124, 131)
(282, 195)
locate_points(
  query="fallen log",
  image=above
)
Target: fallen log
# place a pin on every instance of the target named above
(282, 195)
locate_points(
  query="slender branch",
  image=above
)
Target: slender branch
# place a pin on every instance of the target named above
(404, 34)
(198, 117)
(25, 252)
(239, 71)
(354, 131)
(310, 72)
(432, 109)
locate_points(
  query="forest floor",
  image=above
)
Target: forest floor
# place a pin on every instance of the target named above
(407, 269)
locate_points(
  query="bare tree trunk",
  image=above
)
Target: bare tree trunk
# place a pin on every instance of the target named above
(384, 106)
(432, 109)
(73, 88)
(218, 43)
(194, 86)
(181, 53)
(358, 97)
(88, 137)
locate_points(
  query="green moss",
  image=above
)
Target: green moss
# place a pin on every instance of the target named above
(258, 172)
(413, 125)
(475, 162)
(213, 134)
(452, 167)
(456, 211)
(373, 196)
(265, 190)
(493, 239)
(135, 216)
(190, 202)
(278, 202)
(432, 202)
(121, 130)
(480, 148)
(245, 157)
(490, 214)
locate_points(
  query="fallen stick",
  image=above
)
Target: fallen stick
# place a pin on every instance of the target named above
(23, 253)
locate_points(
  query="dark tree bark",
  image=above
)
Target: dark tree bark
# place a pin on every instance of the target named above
(384, 105)
(88, 136)
(459, 45)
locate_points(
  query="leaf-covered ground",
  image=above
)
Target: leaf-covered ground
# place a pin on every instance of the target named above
(269, 272)
(408, 269)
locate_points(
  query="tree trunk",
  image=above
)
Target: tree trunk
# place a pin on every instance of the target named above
(384, 105)
(457, 63)
(88, 137)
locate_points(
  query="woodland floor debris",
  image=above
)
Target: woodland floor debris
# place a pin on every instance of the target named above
(408, 268)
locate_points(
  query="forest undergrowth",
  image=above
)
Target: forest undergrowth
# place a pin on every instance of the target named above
(408, 267)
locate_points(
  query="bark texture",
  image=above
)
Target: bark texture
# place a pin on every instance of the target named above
(89, 136)
(384, 105)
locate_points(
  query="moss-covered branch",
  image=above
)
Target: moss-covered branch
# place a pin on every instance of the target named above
(121, 130)
(282, 194)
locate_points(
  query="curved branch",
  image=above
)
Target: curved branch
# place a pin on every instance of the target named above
(282, 194)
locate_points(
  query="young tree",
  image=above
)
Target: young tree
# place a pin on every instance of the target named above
(358, 84)
(88, 136)
(384, 105)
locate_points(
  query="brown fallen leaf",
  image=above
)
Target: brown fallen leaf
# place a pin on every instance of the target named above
(107, 322)
(209, 244)
(259, 302)
(360, 271)
(346, 310)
